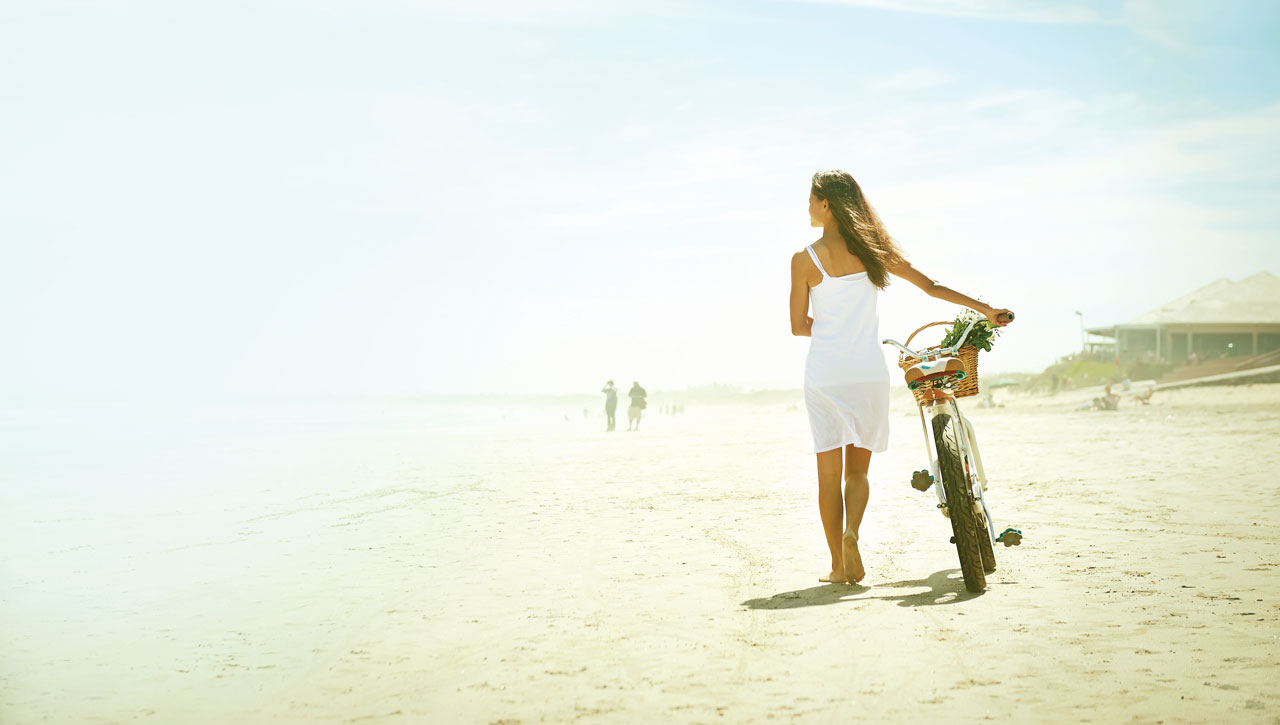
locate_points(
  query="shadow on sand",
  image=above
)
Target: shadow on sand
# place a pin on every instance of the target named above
(945, 587)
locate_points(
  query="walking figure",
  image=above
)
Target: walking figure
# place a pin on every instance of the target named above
(610, 402)
(637, 395)
(846, 381)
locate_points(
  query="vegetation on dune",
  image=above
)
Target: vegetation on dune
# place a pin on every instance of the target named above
(1082, 372)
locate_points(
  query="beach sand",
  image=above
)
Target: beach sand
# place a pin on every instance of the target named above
(373, 564)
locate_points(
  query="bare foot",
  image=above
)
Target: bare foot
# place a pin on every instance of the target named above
(833, 578)
(852, 557)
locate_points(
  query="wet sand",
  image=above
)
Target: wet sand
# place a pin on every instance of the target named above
(383, 568)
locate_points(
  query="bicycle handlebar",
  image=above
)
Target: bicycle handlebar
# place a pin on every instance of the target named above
(954, 349)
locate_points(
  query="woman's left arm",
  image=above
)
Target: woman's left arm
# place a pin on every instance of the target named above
(933, 289)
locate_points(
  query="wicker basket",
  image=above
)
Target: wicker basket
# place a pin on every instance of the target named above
(968, 355)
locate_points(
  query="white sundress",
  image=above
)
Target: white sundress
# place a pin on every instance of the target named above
(846, 381)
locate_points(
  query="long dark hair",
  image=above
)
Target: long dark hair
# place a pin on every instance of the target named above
(864, 234)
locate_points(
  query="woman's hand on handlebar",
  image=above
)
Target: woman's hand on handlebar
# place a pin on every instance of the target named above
(999, 317)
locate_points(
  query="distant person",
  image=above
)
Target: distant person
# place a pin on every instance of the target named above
(1108, 400)
(610, 402)
(637, 396)
(846, 381)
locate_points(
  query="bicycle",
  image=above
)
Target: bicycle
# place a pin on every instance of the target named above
(953, 455)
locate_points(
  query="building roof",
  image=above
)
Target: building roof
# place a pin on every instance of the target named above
(1251, 301)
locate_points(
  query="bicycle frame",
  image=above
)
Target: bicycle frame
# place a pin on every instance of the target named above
(936, 402)
(937, 399)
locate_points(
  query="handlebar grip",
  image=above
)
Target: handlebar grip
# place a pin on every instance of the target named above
(1005, 317)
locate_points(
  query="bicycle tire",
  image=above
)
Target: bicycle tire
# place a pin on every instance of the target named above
(960, 503)
(984, 534)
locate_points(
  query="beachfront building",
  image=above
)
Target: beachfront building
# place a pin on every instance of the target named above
(1221, 319)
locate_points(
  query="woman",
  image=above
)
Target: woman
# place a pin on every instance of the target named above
(846, 381)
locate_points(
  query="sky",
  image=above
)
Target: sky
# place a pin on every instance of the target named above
(336, 197)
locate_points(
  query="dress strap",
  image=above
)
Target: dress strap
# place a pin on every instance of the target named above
(815, 260)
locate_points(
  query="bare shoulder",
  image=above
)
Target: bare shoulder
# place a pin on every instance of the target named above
(804, 273)
(801, 261)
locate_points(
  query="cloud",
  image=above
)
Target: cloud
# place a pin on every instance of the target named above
(1020, 11)
(1201, 29)
(533, 12)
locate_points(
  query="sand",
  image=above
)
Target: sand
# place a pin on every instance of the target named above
(382, 563)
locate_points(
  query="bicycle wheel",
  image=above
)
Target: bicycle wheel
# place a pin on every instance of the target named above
(984, 534)
(960, 503)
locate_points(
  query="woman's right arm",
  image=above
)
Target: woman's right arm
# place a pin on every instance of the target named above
(801, 322)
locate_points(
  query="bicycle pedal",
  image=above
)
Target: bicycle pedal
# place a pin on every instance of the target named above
(921, 480)
(1010, 537)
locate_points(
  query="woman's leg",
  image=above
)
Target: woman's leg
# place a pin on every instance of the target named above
(857, 489)
(831, 507)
